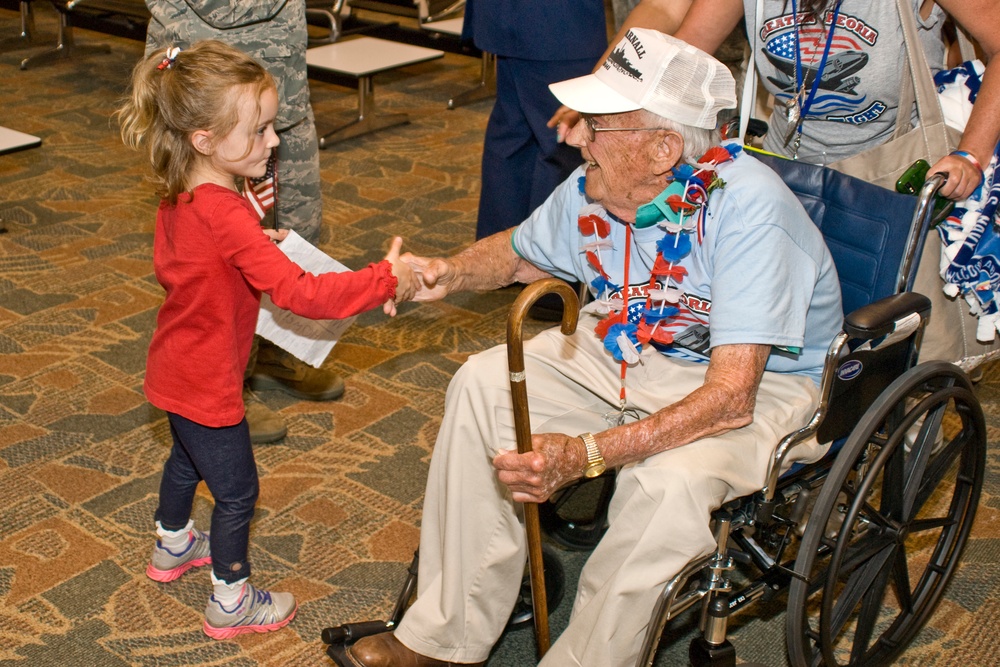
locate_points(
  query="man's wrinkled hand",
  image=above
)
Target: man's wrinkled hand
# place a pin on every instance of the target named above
(555, 461)
(434, 276)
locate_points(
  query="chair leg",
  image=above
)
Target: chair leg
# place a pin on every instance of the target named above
(25, 37)
(671, 602)
(65, 45)
(27, 20)
(712, 649)
(368, 120)
(486, 88)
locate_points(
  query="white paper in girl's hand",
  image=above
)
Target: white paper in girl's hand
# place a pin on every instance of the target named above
(309, 340)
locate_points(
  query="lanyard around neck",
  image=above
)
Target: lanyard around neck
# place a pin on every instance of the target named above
(805, 106)
(624, 320)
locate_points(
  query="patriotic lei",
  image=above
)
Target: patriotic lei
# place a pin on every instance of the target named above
(681, 211)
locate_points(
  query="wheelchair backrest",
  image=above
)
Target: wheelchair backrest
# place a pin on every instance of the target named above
(866, 227)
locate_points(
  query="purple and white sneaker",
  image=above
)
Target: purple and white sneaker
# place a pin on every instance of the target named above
(167, 565)
(256, 611)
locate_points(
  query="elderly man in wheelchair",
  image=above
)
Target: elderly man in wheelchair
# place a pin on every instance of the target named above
(715, 301)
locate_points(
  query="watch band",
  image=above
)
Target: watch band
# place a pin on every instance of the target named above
(595, 462)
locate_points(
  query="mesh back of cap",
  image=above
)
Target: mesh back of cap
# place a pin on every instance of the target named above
(691, 90)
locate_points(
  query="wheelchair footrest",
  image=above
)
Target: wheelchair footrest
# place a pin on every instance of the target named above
(348, 633)
(338, 653)
(342, 636)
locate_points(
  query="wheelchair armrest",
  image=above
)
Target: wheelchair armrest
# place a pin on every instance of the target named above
(879, 318)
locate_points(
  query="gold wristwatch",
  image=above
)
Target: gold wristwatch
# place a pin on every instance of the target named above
(595, 462)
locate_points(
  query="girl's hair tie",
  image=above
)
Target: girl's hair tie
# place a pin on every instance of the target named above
(171, 56)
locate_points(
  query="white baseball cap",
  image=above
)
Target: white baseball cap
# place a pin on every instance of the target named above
(657, 72)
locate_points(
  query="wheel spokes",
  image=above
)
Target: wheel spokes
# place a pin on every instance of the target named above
(871, 604)
(897, 516)
(940, 466)
(916, 462)
(862, 552)
(858, 584)
(901, 581)
(921, 525)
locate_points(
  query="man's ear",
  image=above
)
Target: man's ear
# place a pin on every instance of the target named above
(202, 141)
(668, 151)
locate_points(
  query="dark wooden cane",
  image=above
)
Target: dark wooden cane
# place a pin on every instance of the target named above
(522, 428)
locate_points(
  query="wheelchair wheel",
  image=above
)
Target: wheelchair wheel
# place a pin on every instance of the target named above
(889, 523)
(577, 516)
(555, 588)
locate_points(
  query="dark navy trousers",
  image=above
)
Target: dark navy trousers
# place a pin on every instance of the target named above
(223, 457)
(522, 163)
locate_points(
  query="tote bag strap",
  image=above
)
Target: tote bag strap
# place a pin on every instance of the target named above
(749, 101)
(964, 44)
(905, 102)
(928, 108)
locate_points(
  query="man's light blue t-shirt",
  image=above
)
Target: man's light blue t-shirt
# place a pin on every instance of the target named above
(760, 275)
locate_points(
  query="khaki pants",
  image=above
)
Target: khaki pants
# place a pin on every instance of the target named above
(472, 544)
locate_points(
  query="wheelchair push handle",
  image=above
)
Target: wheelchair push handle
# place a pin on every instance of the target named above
(923, 219)
(522, 431)
(932, 185)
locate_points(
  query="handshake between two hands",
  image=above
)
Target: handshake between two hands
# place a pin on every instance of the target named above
(417, 278)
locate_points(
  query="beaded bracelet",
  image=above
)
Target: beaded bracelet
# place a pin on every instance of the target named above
(970, 157)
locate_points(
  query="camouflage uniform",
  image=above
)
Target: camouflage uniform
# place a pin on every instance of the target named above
(274, 33)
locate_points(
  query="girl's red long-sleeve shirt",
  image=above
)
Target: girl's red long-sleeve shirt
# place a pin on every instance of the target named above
(213, 260)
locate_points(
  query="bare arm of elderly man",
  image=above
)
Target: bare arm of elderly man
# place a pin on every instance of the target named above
(489, 263)
(724, 402)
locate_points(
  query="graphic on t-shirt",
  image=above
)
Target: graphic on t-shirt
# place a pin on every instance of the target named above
(689, 327)
(836, 97)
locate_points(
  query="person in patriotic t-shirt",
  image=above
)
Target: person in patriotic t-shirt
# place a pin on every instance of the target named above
(205, 118)
(857, 87)
(715, 298)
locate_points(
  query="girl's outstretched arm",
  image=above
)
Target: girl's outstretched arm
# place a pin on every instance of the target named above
(489, 263)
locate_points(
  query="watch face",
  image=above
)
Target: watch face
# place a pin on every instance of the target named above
(595, 470)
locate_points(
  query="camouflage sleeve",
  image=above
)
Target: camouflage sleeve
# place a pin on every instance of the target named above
(223, 15)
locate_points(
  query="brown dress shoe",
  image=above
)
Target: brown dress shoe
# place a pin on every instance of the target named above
(384, 650)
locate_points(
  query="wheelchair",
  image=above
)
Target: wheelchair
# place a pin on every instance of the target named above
(864, 541)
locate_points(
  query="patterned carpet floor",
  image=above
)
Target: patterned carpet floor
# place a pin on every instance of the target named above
(339, 510)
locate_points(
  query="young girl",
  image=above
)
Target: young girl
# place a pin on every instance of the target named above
(204, 117)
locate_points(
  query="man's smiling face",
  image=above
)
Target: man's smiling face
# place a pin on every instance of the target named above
(622, 170)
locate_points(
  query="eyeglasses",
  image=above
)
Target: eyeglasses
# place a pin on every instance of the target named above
(592, 129)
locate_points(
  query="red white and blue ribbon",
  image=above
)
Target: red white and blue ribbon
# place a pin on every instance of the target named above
(681, 211)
